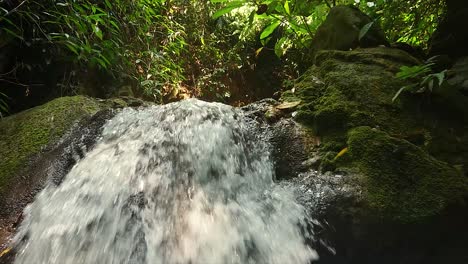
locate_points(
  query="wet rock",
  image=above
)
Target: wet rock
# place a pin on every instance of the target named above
(40, 145)
(290, 150)
(273, 114)
(292, 143)
(402, 181)
(401, 175)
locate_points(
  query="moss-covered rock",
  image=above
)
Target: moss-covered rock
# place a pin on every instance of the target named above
(409, 150)
(346, 89)
(25, 134)
(402, 181)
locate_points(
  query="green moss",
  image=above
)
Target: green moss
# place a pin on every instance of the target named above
(25, 133)
(403, 160)
(402, 181)
(346, 89)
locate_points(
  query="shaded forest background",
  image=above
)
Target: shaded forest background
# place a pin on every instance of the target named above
(165, 50)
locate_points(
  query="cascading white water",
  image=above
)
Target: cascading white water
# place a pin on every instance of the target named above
(183, 183)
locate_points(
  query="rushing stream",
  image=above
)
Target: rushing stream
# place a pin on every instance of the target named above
(183, 183)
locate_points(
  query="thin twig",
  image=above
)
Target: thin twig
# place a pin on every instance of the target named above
(20, 84)
(14, 9)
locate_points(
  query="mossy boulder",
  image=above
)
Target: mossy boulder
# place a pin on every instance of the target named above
(24, 134)
(401, 181)
(345, 89)
(413, 159)
(341, 29)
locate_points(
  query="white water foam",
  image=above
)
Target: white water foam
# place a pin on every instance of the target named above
(183, 183)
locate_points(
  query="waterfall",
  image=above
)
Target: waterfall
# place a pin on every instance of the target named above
(185, 183)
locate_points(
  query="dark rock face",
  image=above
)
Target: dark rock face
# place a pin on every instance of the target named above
(400, 208)
(340, 31)
(451, 36)
(289, 149)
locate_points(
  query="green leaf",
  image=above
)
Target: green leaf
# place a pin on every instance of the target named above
(147, 82)
(365, 29)
(13, 33)
(269, 29)
(257, 52)
(227, 9)
(279, 49)
(114, 24)
(413, 71)
(440, 76)
(98, 32)
(406, 87)
(101, 62)
(286, 7)
(108, 4)
(202, 40)
(398, 93)
(72, 48)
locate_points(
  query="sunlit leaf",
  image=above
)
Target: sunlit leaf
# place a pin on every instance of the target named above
(269, 29)
(98, 32)
(341, 153)
(227, 9)
(286, 7)
(257, 52)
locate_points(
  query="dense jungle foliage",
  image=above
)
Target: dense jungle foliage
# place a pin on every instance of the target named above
(162, 50)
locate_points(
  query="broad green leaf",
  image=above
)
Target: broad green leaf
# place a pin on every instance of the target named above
(286, 7)
(269, 29)
(365, 29)
(227, 9)
(413, 71)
